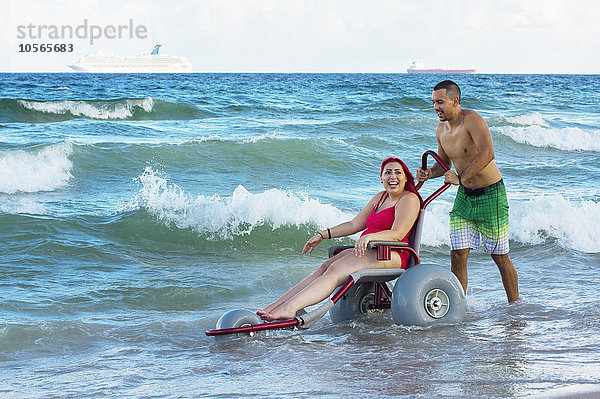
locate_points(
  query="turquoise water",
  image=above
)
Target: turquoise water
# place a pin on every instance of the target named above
(136, 209)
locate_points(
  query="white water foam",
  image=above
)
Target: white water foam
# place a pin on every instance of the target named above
(94, 110)
(528, 119)
(574, 224)
(532, 129)
(567, 139)
(45, 169)
(436, 225)
(265, 136)
(231, 216)
(203, 139)
(22, 205)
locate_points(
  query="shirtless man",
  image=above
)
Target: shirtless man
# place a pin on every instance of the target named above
(481, 207)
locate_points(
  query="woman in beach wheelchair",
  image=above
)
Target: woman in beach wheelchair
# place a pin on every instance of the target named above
(390, 215)
(391, 224)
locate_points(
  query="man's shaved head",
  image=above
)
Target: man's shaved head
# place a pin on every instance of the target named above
(452, 89)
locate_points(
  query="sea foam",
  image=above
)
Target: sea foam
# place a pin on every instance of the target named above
(225, 217)
(574, 224)
(121, 109)
(528, 119)
(532, 222)
(567, 139)
(532, 129)
(21, 205)
(44, 169)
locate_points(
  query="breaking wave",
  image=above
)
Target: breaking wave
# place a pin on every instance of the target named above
(567, 139)
(34, 111)
(219, 217)
(533, 222)
(42, 169)
(532, 129)
(574, 224)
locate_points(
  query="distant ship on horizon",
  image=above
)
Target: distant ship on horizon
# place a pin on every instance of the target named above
(108, 62)
(420, 68)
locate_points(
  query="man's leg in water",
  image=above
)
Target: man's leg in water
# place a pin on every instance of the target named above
(509, 276)
(458, 261)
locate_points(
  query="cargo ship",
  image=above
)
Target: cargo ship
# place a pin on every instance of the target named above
(108, 62)
(419, 68)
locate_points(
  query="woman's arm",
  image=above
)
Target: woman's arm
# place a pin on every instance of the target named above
(406, 213)
(358, 223)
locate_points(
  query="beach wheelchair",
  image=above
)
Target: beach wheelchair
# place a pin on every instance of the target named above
(423, 294)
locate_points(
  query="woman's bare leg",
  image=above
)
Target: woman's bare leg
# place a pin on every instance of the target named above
(322, 286)
(303, 284)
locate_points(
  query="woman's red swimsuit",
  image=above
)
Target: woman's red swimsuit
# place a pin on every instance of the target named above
(383, 220)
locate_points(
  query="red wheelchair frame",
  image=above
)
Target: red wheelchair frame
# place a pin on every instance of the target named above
(382, 294)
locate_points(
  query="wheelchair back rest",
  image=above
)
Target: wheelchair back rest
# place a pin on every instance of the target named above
(414, 241)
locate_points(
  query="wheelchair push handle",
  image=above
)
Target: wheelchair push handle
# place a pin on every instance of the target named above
(446, 168)
(435, 156)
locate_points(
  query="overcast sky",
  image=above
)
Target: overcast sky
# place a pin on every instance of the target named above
(498, 36)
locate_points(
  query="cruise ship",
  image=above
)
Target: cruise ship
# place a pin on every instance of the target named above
(108, 62)
(419, 68)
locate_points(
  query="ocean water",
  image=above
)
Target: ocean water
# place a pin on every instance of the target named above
(136, 209)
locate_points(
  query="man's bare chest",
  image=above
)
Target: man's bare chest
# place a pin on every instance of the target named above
(458, 144)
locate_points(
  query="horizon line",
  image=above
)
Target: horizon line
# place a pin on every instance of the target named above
(314, 72)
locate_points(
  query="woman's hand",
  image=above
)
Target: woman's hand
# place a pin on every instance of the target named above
(361, 245)
(312, 243)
